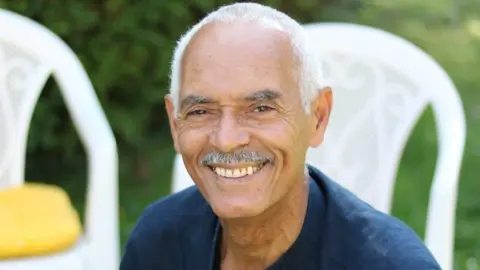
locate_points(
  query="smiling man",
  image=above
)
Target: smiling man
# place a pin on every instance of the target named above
(245, 104)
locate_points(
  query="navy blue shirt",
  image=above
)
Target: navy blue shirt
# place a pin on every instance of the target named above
(180, 232)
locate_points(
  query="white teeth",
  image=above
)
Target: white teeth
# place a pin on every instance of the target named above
(236, 173)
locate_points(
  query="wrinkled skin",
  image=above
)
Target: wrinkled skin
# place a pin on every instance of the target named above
(239, 91)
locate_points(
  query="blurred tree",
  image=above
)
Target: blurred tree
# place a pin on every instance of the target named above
(126, 48)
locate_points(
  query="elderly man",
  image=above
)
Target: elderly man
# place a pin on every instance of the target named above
(245, 104)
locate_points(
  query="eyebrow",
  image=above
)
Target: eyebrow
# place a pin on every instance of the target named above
(192, 100)
(262, 95)
(265, 95)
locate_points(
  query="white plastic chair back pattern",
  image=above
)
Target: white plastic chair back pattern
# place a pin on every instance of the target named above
(382, 83)
(29, 54)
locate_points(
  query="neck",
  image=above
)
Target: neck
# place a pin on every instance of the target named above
(257, 242)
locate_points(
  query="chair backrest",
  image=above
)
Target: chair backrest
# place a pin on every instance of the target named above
(29, 54)
(382, 83)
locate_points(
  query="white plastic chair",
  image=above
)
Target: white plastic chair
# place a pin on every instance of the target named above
(382, 83)
(29, 54)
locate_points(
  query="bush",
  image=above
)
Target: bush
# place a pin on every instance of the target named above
(126, 47)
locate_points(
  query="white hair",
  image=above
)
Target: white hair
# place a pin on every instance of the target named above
(310, 69)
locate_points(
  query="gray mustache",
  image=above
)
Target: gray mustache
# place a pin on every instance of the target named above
(234, 158)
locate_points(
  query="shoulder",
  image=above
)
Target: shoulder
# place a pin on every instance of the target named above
(165, 214)
(385, 242)
(164, 227)
(372, 239)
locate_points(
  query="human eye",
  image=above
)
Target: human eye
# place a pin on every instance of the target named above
(197, 112)
(263, 109)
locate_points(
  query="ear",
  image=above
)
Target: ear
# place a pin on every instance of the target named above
(321, 109)
(172, 120)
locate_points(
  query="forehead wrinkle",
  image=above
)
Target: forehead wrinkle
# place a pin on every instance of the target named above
(200, 50)
(224, 35)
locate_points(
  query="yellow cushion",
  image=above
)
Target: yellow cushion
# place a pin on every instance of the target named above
(36, 219)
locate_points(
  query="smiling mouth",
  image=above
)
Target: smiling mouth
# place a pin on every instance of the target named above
(237, 172)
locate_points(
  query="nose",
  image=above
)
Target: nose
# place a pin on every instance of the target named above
(228, 134)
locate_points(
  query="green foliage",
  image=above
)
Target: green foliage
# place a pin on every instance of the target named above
(126, 48)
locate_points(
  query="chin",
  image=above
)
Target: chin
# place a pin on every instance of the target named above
(233, 208)
(238, 196)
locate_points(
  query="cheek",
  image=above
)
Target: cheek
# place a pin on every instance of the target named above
(191, 141)
(282, 134)
(287, 137)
